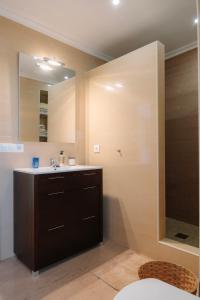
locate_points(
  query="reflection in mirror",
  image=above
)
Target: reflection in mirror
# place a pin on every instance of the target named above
(182, 179)
(47, 100)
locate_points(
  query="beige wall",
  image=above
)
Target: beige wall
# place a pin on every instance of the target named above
(131, 119)
(62, 111)
(16, 38)
(30, 109)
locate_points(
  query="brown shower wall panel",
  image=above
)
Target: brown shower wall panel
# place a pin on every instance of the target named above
(182, 180)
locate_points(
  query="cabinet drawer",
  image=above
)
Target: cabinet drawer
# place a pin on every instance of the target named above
(90, 231)
(50, 184)
(90, 204)
(51, 210)
(51, 246)
(83, 179)
(83, 203)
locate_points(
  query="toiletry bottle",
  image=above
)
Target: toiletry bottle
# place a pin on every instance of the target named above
(71, 161)
(61, 158)
(35, 162)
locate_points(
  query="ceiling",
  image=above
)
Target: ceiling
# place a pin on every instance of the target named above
(106, 31)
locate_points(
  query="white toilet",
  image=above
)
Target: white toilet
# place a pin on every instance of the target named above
(153, 289)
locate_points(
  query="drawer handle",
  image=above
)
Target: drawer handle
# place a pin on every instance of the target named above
(58, 193)
(90, 174)
(54, 178)
(89, 218)
(90, 188)
(55, 228)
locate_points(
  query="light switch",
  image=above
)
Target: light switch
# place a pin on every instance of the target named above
(11, 148)
(97, 148)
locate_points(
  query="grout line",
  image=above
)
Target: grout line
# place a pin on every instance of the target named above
(99, 278)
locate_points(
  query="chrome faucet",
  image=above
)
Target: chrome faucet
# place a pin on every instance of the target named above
(53, 163)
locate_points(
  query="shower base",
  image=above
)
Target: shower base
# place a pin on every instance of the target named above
(182, 232)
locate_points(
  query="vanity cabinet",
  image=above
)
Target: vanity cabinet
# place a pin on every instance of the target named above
(56, 215)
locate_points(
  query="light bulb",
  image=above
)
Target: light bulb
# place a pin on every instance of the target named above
(119, 85)
(44, 67)
(116, 2)
(109, 88)
(54, 63)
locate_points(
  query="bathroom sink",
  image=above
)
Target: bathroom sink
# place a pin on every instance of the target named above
(48, 170)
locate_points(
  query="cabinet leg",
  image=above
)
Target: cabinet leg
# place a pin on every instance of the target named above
(35, 273)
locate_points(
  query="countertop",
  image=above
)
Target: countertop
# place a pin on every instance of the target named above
(49, 170)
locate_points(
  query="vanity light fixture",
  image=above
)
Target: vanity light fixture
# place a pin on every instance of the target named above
(54, 63)
(38, 58)
(44, 67)
(116, 2)
(119, 85)
(196, 21)
(48, 62)
(109, 88)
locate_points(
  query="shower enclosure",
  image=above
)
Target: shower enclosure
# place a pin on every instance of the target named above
(182, 158)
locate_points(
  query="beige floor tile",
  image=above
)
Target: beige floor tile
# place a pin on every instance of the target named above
(87, 287)
(96, 274)
(121, 270)
(16, 282)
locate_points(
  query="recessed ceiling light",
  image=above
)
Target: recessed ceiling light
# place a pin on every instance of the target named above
(66, 77)
(115, 2)
(54, 63)
(44, 67)
(196, 21)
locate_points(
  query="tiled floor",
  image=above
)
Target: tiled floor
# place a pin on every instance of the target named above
(173, 227)
(94, 275)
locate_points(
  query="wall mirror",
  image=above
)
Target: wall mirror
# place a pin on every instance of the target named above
(47, 100)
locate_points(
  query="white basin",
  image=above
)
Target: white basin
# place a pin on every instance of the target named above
(48, 170)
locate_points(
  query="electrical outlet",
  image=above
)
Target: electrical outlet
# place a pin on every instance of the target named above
(11, 148)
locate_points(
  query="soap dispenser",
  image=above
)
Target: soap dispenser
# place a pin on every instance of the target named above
(61, 159)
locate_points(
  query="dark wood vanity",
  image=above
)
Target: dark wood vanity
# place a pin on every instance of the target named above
(56, 215)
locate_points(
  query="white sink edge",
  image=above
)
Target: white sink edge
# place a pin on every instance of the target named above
(49, 170)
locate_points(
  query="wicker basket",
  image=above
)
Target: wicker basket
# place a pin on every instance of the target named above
(170, 273)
